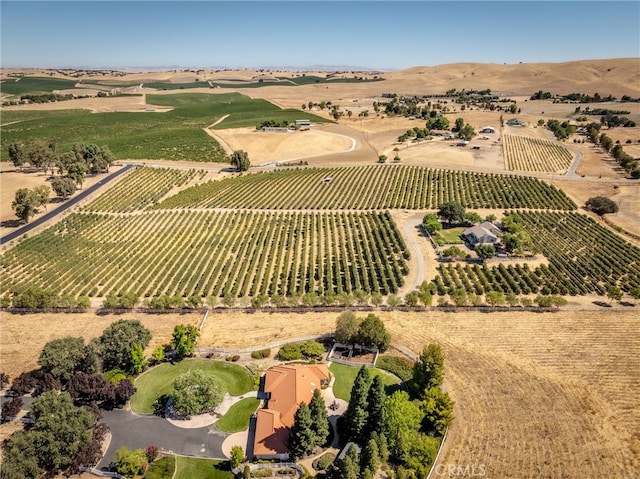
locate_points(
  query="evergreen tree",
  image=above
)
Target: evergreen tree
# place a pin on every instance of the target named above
(383, 446)
(355, 417)
(375, 407)
(427, 371)
(370, 460)
(319, 418)
(349, 467)
(438, 409)
(302, 437)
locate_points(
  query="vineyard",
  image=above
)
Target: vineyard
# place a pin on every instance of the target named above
(142, 187)
(206, 253)
(535, 154)
(372, 187)
(584, 258)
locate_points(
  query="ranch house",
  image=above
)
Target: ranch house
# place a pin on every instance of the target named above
(285, 387)
(515, 122)
(484, 233)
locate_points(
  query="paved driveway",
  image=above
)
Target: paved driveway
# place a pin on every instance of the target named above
(135, 432)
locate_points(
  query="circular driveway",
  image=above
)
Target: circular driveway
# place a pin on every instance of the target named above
(139, 432)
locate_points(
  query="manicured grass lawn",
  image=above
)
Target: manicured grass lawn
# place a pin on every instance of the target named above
(346, 375)
(162, 468)
(192, 468)
(451, 235)
(159, 380)
(237, 418)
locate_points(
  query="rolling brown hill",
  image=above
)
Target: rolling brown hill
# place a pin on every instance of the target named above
(619, 76)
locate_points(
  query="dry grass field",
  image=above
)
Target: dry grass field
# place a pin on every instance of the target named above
(538, 395)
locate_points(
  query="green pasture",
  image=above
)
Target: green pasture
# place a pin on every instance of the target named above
(159, 380)
(237, 418)
(174, 135)
(30, 85)
(164, 85)
(450, 235)
(346, 375)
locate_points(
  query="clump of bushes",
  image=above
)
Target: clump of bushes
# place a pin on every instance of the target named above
(306, 349)
(233, 358)
(324, 461)
(401, 367)
(263, 353)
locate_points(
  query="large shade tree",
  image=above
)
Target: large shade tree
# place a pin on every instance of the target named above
(194, 392)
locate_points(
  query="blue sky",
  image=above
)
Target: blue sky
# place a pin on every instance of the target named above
(379, 34)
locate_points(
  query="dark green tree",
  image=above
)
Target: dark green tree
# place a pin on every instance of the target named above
(431, 224)
(614, 293)
(355, 417)
(485, 251)
(428, 370)
(63, 357)
(240, 159)
(194, 393)
(61, 429)
(302, 437)
(601, 205)
(20, 457)
(17, 155)
(117, 340)
(373, 334)
(375, 407)
(25, 204)
(63, 187)
(184, 339)
(370, 459)
(319, 418)
(452, 212)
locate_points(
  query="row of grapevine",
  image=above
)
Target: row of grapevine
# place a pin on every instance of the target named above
(584, 258)
(371, 187)
(523, 153)
(206, 253)
(142, 187)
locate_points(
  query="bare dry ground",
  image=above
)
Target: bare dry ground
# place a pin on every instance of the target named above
(538, 395)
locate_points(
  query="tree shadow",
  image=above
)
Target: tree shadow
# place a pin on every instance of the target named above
(11, 223)
(602, 304)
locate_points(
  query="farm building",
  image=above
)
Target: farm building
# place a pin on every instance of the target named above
(488, 129)
(484, 233)
(515, 122)
(285, 387)
(303, 124)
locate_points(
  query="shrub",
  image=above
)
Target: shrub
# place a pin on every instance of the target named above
(401, 367)
(324, 461)
(263, 353)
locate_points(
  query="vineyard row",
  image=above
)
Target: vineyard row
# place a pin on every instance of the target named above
(372, 187)
(535, 154)
(205, 254)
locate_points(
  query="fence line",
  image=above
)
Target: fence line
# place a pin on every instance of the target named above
(435, 461)
(98, 472)
(279, 344)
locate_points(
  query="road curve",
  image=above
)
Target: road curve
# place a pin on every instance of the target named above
(64, 206)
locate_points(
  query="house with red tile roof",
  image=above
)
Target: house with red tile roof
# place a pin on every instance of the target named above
(285, 387)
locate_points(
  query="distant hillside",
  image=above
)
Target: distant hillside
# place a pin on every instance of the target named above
(617, 76)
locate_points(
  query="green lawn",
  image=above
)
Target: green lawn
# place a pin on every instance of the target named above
(346, 375)
(192, 468)
(159, 380)
(162, 468)
(237, 418)
(451, 235)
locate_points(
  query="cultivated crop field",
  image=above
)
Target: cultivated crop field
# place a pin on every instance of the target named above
(523, 153)
(371, 187)
(207, 253)
(178, 134)
(584, 258)
(35, 85)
